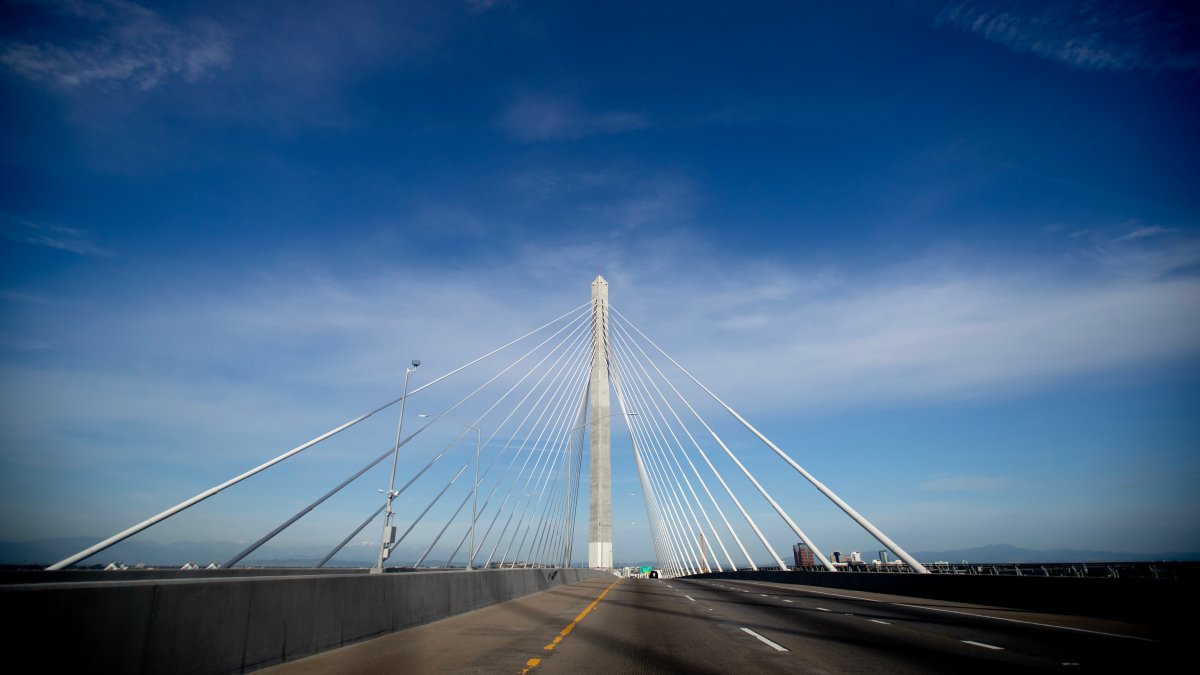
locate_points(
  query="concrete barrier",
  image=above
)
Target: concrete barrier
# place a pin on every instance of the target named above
(1144, 600)
(240, 623)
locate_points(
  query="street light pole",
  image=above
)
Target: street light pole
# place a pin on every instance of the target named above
(388, 532)
(474, 486)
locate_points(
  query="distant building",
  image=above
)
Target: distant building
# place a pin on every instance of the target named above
(803, 555)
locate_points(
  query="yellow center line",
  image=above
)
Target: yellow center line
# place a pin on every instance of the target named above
(532, 663)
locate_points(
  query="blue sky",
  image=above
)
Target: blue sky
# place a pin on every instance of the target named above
(945, 253)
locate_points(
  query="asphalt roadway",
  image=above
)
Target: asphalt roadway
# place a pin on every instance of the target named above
(716, 626)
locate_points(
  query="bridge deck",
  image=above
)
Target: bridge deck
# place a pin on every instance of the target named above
(701, 627)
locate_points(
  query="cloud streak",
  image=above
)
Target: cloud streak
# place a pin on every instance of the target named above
(135, 47)
(542, 117)
(58, 237)
(803, 338)
(225, 372)
(1141, 36)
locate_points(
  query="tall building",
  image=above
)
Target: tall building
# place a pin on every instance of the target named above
(803, 555)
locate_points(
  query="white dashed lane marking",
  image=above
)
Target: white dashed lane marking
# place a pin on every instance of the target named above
(773, 645)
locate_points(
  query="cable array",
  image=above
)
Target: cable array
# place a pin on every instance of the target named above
(521, 477)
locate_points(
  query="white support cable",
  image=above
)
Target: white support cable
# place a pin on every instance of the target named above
(695, 470)
(543, 480)
(845, 507)
(543, 521)
(574, 513)
(396, 543)
(762, 490)
(92, 550)
(479, 419)
(673, 558)
(652, 516)
(561, 527)
(581, 324)
(577, 335)
(461, 505)
(579, 321)
(681, 530)
(562, 543)
(557, 372)
(563, 483)
(556, 527)
(640, 382)
(582, 369)
(560, 365)
(614, 375)
(352, 535)
(668, 496)
(658, 441)
(695, 530)
(483, 386)
(550, 465)
(580, 339)
(651, 511)
(728, 491)
(188, 503)
(553, 448)
(557, 493)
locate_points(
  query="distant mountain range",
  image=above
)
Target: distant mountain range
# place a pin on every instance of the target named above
(1005, 553)
(150, 553)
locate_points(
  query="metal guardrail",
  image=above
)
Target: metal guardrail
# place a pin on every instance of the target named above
(1172, 571)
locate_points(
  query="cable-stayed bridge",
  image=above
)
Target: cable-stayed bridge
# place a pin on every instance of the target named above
(542, 402)
(481, 469)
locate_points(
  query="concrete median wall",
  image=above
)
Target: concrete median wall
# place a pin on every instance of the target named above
(236, 624)
(1147, 600)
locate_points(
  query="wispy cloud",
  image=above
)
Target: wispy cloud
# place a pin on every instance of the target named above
(542, 117)
(1123, 36)
(1148, 231)
(817, 337)
(52, 236)
(134, 46)
(296, 348)
(484, 5)
(1137, 250)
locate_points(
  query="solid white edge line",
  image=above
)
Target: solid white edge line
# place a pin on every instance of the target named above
(767, 642)
(809, 589)
(985, 646)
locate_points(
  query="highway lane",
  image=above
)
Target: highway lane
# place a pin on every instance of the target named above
(710, 626)
(847, 631)
(496, 639)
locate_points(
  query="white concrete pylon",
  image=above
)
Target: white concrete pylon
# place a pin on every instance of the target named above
(600, 495)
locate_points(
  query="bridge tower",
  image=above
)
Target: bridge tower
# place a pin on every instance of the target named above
(600, 497)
